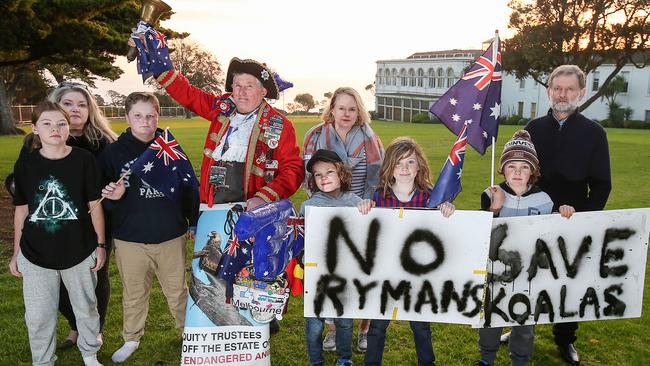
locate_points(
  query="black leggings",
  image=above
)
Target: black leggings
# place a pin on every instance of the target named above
(102, 291)
(565, 333)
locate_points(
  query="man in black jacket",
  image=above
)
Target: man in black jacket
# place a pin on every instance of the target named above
(574, 163)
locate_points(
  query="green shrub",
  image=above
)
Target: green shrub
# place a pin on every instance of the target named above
(616, 115)
(512, 120)
(420, 118)
(636, 123)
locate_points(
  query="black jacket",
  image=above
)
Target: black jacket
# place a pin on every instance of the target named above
(574, 161)
(144, 215)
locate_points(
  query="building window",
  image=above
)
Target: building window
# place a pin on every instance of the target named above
(379, 77)
(522, 83)
(432, 80)
(411, 77)
(647, 115)
(394, 77)
(420, 78)
(402, 76)
(520, 109)
(533, 110)
(626, 77)
(439, 78)
(596, 81)
(450, 77)
(387, 78)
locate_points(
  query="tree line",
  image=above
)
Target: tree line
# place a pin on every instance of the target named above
(80, 40)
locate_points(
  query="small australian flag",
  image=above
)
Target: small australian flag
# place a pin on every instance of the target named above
(448, 185)
(153, 56)
(165, 167)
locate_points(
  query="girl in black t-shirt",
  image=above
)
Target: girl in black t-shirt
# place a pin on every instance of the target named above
(55, 237)
(89, 130)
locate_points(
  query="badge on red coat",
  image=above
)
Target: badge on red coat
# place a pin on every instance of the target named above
(273, 143)
(271, 164)
(225, 106)
(268, 176)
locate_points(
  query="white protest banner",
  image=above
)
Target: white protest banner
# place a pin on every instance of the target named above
(549, 269)
(217, 333)
(395, 264)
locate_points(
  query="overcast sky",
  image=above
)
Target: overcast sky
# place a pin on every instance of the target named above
(321, 45)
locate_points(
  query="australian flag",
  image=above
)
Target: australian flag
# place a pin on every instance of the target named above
(165, 167)
(235, 257)
(448, 184)
(153, 58)
(475, 100)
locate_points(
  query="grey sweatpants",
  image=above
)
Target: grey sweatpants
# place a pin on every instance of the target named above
(522, 342)
(41, 296)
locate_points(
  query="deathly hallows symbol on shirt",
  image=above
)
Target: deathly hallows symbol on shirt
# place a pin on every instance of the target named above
(54, 205)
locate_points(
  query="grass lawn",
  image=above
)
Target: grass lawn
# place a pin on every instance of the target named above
(620, 342)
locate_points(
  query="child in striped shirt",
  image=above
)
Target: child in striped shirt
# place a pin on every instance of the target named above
(404, 181)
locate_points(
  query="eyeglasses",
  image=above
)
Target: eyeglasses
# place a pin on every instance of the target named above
(72, 85)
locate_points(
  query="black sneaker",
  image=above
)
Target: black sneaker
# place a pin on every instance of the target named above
(570, 354)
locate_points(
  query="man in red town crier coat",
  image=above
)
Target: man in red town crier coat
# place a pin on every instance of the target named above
(250, 151)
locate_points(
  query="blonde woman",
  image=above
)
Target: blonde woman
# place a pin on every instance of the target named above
(346, 130)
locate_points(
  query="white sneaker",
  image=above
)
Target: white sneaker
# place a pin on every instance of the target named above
(329, 343)
(362, 342)
(505, 338)
(125, 351)
(91, 361)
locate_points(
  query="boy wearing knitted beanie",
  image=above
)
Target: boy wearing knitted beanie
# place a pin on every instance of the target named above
(516, 196)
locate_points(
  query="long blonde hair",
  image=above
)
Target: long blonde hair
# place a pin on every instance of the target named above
(399, 149)
(362, 116)
(97, 127)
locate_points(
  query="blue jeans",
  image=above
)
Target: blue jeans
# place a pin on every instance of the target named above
(314, 332)
(377, 339)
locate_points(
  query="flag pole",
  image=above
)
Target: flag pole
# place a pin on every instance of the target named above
(101, 199)
(495, 50)
(492, 165)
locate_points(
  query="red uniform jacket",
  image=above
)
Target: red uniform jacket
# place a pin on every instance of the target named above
(273, 167)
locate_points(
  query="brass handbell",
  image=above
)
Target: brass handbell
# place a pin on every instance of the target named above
(151, 12)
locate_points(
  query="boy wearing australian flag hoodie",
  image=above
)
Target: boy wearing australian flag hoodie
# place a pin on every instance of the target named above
(149, 229)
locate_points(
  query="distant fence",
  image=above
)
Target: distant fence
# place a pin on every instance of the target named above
(23, 113)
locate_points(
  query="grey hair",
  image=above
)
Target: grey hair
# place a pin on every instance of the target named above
(569, 70)
(259, 82)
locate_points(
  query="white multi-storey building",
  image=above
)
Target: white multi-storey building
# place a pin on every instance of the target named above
(406, 87)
